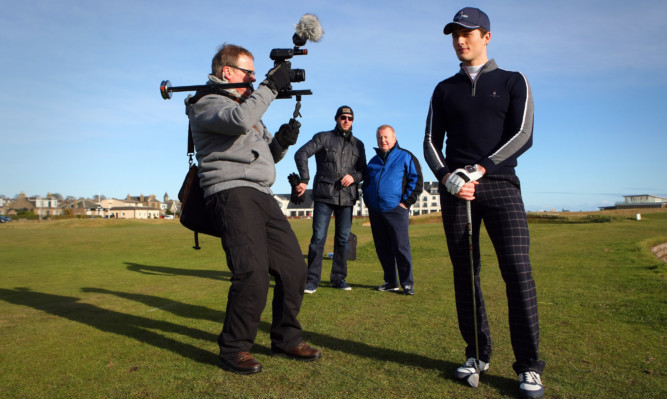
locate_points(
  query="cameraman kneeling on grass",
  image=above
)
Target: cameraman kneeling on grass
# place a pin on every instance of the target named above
(236, 156)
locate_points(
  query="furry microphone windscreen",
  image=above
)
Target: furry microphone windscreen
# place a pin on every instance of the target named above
(309, 28)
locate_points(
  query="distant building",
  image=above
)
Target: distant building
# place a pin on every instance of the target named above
(83, 207)
(302, 210)
(133, 212)
(139, 207)
(429, 202)
(638, 201)
(171, 206)
(41, 206)
(4, 205)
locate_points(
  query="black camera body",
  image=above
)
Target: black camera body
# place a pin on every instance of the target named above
(281, 55)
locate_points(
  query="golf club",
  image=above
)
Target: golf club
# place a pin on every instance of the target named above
(473, 379)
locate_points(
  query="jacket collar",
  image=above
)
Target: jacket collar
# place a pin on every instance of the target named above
(488, 67)
(385, 155)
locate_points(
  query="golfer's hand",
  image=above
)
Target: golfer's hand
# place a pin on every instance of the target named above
(346, 180)
(467, 190)
(301, 188)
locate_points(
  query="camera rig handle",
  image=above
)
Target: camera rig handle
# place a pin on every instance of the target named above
(289, 93)
(166, 89)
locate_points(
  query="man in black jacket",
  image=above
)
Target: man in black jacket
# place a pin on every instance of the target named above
(341, 164)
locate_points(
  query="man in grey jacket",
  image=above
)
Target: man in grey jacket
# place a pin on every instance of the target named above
(236, 156)
(341, 165)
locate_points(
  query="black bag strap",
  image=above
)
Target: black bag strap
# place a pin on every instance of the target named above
(191, 145)
(191, 154)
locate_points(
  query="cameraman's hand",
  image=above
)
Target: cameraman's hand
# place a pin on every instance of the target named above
(278, 77)
(288, 133)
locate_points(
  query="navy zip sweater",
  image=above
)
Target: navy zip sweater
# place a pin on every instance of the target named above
(487, 122)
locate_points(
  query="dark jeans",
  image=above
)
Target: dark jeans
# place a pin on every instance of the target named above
(392, 244)
(321, 217)
(258, 242)
(498, 202)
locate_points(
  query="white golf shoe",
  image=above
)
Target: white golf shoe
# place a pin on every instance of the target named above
(530, 385)
(468, 368)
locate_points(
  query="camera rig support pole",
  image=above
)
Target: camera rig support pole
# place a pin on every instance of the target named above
(166, 89)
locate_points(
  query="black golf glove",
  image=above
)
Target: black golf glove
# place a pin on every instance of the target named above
(294, 180)
(288, 133)
(278, 77)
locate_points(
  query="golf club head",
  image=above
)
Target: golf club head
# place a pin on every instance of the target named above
(473, 380)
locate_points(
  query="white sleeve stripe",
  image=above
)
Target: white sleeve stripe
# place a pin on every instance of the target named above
(521, 137)
(430, 152)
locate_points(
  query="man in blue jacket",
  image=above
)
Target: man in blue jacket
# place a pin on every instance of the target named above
(393, 183)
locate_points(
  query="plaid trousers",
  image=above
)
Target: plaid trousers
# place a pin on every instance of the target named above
(499, 204)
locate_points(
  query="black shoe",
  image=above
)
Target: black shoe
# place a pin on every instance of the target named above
(408, 290)
(241, 363)
(310, 288)
(387, 287)
(341, 285)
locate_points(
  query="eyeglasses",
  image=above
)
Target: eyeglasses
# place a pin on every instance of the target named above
(247, 71)
(346, 118)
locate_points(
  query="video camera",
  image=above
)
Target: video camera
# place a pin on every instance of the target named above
(281, 55)
(308, 28)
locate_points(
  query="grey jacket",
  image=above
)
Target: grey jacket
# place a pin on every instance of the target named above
(233, 147)
(336, 157)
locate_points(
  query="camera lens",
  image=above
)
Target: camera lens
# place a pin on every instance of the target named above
(297, 75)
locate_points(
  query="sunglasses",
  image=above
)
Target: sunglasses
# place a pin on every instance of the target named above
(246, 71)
(346, 118)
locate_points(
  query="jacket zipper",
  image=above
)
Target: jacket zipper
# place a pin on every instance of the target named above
(474, 82)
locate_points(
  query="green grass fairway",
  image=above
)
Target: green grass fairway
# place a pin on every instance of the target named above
(127, 309)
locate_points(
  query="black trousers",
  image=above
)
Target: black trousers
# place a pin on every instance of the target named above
(498, 202)
(258, 241)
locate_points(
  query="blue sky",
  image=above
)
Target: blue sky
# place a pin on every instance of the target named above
(81, 114)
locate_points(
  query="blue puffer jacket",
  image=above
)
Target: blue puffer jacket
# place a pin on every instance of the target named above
(394, 181)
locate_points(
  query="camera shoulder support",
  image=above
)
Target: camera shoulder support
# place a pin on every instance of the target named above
(166, 89)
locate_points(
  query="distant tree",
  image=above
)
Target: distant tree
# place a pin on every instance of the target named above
(57, 196)
(24, 213)
(71, 198)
